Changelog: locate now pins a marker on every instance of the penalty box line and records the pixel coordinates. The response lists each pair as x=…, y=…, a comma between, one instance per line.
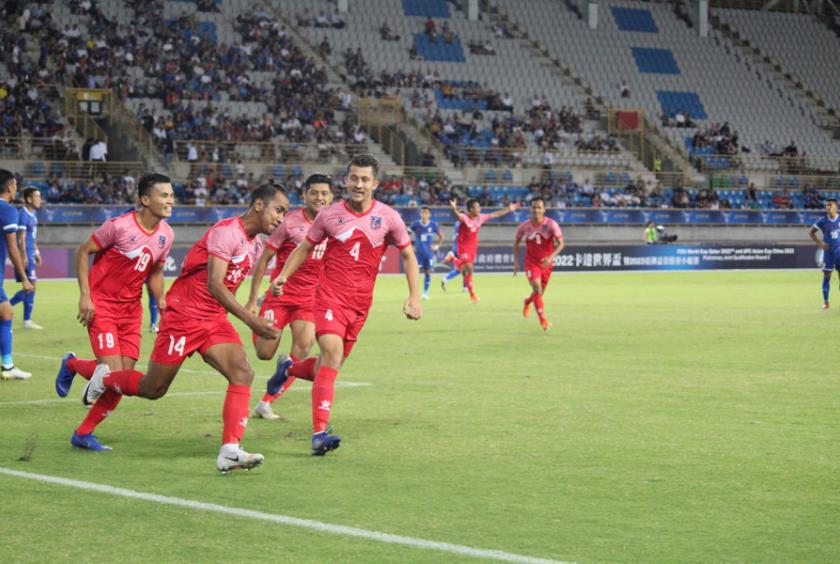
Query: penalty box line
x=282, y=519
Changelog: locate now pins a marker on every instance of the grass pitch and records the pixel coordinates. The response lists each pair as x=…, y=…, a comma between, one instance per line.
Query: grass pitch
x=667, y=417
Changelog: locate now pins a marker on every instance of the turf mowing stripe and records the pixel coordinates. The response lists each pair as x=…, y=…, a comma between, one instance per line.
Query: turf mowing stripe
x=182, y=394
x=284, y=519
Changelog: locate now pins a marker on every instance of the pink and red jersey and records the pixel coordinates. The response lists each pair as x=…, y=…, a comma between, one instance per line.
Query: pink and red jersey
x=469, y=228
x=539, y=239
x=127, y=254
x=300, y=288
x=228, y=241
x=357, y=243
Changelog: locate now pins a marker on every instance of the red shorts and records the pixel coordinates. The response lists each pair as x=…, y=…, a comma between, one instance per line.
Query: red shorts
x=536, y=271
x=180, y=336
x=467, y=255
x=115, y=335
x=340, y=320
x=284, y=313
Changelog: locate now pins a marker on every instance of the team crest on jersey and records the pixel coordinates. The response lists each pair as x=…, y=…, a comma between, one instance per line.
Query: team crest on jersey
x=340, y=220
x=132, y=239
x=161, y=241
x=375, y=222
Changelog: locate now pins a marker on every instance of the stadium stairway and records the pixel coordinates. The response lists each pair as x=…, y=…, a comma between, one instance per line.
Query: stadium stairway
x=673, y=159
x=824, y=114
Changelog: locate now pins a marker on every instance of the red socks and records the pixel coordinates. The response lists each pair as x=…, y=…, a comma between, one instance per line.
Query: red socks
x=529, y=299
x=83, y=368
x=323, y=391
x=235, y=413
x=125, y=382
x=103, y=407
x=468, y=282
x=305, y=369
x=538, y=302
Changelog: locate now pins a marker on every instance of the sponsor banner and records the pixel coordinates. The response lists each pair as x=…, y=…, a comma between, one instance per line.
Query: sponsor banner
x=660, y=257
x=209, y=215
x=60, y=262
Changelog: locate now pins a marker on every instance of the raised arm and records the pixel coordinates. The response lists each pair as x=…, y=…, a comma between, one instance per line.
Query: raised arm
x=504, y=211
x=453, y=205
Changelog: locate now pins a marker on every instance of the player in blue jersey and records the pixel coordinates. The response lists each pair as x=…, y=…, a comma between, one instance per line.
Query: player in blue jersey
x=28, y=246
x=9, y=247
x=427, y=240
x=450, y=256
x=829, y=224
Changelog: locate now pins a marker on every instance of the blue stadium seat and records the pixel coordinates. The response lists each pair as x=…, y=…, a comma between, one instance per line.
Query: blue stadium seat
x=659, y=61
x=38, y=168
x=490, y=175
x=689, y=102
x=278, y=171
x=439, y=50
x=634, y=19
x=507, y=176
x=297, y=170
x=426, y=8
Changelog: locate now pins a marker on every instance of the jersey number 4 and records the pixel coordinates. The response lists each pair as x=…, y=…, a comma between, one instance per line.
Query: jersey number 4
x=354, y=251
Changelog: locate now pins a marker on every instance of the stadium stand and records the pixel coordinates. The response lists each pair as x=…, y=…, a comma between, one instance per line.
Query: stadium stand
x=714, y=84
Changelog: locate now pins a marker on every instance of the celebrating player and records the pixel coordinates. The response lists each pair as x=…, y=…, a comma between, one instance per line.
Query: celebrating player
x=9, y=247
x=829, y=224
x=27, y=242
x=195, y=319
x=470, y=225
x=294, y=307
x=427, y=240
x=543, y=242
x=128, y=249
x=359, y=230
x=451, y=256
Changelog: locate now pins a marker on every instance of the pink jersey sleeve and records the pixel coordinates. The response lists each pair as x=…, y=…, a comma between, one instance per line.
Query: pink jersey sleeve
x=276, y=239
x=463, y=218
x=221, y=241
x=484, y=218
x=106, y=234
x=398, y=235
x=555, y=230
x=316, y=232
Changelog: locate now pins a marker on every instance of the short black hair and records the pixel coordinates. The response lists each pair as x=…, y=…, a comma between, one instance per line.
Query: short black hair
x=144, y=186
x=538, y=199
x=318, y=178
x=471, y=202
x=29, y=191
x=6, y=177
x=266, y=192
x=828, y=201
x=426, y=208
x=363, y=160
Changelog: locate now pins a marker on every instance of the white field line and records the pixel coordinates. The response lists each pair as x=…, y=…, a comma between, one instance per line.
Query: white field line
x=338, y=384
x=177, y=394
x=282, y=519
